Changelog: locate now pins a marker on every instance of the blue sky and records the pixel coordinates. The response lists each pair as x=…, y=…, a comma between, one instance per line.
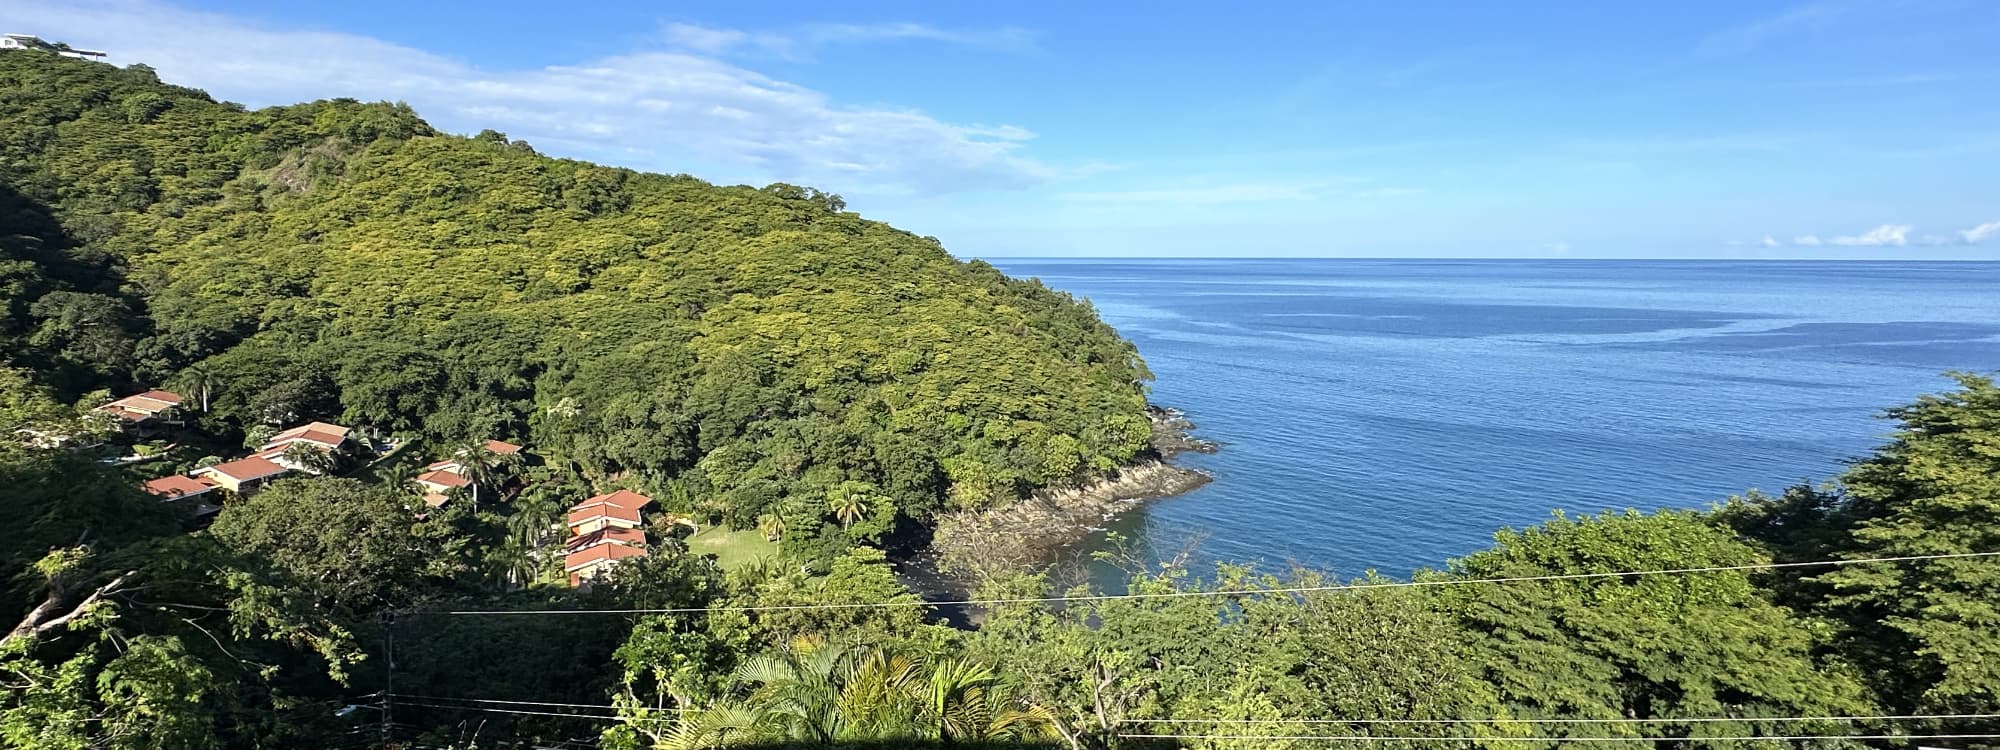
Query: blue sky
x=1441, y=129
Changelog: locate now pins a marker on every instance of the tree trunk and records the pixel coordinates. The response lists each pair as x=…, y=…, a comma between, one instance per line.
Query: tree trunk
x=44, y=617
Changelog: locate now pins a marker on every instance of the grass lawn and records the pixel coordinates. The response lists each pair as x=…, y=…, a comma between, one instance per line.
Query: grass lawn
x=731, y=548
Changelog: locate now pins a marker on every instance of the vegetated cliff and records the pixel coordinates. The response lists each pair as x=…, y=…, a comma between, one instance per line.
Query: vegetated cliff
x=980, y=544
x=762, y=349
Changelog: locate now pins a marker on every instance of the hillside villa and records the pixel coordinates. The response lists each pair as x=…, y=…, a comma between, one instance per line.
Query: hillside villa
x=146, y=413
x=176, y=486
x=439, y=479
x=242, y=476
x=327, y=438
x=30, y=41
x=590, y=564
x=604, y=530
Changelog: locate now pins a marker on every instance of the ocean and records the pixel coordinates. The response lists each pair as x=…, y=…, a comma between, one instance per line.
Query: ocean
x=1393, y=414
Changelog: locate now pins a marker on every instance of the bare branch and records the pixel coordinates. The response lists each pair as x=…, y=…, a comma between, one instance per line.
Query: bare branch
x=44, y=618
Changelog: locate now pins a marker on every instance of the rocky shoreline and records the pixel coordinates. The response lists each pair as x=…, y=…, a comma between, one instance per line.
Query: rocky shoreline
x=1030, y=534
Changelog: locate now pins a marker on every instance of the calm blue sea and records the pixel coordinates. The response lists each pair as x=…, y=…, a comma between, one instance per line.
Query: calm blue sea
x=1392, y=414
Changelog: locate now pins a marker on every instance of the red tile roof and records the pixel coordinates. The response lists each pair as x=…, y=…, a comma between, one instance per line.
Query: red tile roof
x=609, y=535
x=587, y=511
x=599, y=554
x=444, y=478
x=177, y=486
x=621, y=498
x=142, y=405
x=319, y=432
x=502, y=448
x=246, y=469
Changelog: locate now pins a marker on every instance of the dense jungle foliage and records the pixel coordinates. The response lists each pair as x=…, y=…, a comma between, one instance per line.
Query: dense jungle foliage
x=345, y=261
x=742, y=350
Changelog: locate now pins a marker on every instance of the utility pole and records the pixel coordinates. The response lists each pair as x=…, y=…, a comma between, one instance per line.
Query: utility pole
x=388, y=673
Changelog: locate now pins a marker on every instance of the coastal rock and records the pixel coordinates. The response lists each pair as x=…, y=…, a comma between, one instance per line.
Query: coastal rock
x=1173, y=433
x=1028, y=534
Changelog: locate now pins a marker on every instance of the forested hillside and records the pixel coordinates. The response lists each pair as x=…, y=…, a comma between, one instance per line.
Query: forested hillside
x=760, y=355
x=345, y=261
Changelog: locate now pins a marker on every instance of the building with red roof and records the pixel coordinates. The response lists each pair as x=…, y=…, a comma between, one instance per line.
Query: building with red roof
x=440, y=478
x=146, y=412
x=241, y=476
x=323, y=436
x=622, y=499
x=438, y=484
x=603, y=530
x=608, y=535
x=588, y=517
x=592, y=562
x=178, y=486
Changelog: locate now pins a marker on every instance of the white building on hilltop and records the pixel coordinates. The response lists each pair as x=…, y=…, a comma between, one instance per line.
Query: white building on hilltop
x=30, y=41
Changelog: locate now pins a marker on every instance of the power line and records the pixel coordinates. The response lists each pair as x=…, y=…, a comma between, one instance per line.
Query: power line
x=599, y=717
x=536, y=703
x=1691, y=720
x=1368, y=738
x=1230, y=592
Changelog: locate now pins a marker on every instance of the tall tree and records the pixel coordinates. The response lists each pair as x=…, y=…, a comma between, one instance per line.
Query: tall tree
x=1929, y=631
x=199, y=380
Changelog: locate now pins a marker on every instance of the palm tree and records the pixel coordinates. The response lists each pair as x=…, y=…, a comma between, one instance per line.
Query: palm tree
x=309, y=457
x=848, y=507
x=515, y=561
x=402, y=475
x=535, y=516
x=796, y=691
x=772, y=526
x=482, y=467
x=199, y=379
x=812, y=692
x=967, y=701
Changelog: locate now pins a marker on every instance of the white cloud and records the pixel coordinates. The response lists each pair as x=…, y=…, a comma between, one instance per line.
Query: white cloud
x=1979, y=233
x=1006, y=39
x=703, y=38
x=667, y=111
x=1807, y=240
x=1770, y=241
x=799, y=43
x=1887, y=235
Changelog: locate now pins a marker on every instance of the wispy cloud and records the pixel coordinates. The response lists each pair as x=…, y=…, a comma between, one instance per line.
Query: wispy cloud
x=656, y=110
x=1890, y=235
x=705, y=39
x=801, y=42
x=1752, y=36
x=1887, y=235
x=1980, y=233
